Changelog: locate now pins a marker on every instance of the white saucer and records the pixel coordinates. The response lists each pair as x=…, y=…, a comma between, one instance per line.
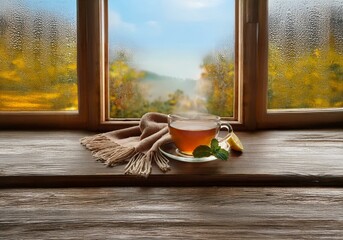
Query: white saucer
x=170, y=150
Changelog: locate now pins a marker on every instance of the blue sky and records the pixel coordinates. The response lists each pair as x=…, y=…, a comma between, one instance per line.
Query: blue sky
x=67, y=8
x=171, y=37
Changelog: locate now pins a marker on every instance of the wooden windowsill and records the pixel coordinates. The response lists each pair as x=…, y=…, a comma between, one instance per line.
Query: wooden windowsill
x=271, y=158
x=296, y=158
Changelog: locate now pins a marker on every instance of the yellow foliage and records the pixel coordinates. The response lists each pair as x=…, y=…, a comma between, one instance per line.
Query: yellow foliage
x=310, y=80
x=72, y=66
x=19, y=63
x=316, y=52
x=37, y=75
x=12, y=101
x=218, y=82
x=10, y=75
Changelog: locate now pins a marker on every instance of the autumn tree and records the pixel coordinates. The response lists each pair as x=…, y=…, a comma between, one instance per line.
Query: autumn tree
x=127, y=98
x=37, y=61
x=217, y=83
x=313, y=80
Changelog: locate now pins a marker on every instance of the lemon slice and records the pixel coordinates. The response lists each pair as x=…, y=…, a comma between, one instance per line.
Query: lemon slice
x=235, y=143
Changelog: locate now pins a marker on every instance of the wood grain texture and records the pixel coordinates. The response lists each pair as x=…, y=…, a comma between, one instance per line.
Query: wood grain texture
x=271, y=158
x=171, y=213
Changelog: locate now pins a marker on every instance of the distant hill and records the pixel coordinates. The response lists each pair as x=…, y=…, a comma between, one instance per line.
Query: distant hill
x=159, y=86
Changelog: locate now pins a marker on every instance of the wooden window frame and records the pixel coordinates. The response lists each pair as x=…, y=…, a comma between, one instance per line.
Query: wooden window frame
x=106, y=123
x=251, y=64
x=59, y=119
x=288, y=118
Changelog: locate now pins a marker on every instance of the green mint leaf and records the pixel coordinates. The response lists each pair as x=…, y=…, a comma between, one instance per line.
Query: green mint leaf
x=215, y=145
x=215, y=149
x=222, y=154
x=202, y=151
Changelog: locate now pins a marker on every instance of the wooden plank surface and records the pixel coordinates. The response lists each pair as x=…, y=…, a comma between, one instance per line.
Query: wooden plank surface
x=171, y=213
x=281, y=158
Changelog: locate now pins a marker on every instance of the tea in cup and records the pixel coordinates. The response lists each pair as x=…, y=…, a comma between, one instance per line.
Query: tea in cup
x=189, y=131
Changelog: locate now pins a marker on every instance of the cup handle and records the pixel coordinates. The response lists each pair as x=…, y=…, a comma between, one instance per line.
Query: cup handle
x=228, y=127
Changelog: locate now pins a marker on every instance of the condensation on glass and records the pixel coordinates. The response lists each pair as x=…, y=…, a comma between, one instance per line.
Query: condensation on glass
x=171, y=56
x=38, y=55
x=305, y=68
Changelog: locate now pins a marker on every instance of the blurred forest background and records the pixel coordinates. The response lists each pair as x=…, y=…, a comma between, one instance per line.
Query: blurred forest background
x=38, y=69
x=38, y=60
x=305, y=54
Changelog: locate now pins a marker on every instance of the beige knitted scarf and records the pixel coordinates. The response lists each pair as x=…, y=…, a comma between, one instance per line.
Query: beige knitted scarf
x=137, y=146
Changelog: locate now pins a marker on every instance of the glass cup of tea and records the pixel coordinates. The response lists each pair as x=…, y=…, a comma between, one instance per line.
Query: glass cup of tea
x=189, y=131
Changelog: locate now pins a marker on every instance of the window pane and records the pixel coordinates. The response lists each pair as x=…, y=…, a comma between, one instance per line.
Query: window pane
x=171, y=55
x=305, y=54
x=38, y=55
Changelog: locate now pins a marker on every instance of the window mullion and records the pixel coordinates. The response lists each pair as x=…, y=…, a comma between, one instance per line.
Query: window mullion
x=93, y=61
x=249, y=57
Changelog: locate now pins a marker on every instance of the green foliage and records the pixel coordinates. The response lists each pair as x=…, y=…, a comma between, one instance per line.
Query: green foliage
x=40, y=73
x=37, y=73
x=218, y=81
x=127, y=99
x=312, y=80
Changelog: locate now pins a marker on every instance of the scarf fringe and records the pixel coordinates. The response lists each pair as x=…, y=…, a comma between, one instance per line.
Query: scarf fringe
x=112, y=154
x=107, y=151
x=139, y=165
x=161, y=161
